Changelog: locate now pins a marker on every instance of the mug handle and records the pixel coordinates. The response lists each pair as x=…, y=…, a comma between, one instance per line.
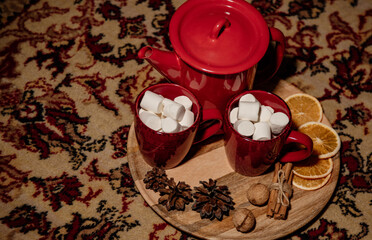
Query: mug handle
x=277, y=36
x=297, y=137
x=211, y=123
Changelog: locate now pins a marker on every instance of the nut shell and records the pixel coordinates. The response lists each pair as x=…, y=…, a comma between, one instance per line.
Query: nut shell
x=244, y=220
x=258, y=194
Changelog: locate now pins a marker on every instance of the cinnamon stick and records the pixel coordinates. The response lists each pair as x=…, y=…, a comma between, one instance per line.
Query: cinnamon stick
x=277, y=205
x=286, y=170
x=273, y=192
x=282, y=214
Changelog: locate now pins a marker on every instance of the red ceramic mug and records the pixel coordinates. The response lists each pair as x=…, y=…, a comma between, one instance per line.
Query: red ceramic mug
x=167, y=150
x=251, y=157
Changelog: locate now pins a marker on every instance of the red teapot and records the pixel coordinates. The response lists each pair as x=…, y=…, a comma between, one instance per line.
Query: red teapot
x=217, y=46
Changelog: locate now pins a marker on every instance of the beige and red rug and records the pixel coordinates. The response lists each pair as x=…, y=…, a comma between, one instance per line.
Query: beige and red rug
x=69, y=76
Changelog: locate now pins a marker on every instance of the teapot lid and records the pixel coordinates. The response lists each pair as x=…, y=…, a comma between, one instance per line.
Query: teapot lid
x=219, y=36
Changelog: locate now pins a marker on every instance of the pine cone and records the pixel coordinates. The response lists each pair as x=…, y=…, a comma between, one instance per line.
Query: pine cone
x=212, y=201
x=176, y=196
x=156, y=179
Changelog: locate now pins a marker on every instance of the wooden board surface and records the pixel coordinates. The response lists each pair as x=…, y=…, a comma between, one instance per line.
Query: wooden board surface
x=208, y=160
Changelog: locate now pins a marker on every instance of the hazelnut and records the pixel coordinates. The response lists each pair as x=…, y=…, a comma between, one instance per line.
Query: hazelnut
x=258, y=194
x=243, y=220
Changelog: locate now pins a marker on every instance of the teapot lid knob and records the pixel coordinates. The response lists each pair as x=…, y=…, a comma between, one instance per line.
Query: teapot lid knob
x=219, y=27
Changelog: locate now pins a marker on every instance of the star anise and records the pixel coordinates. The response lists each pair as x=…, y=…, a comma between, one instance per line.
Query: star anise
x=156, y=179
x=212, y=201
x=176, y=196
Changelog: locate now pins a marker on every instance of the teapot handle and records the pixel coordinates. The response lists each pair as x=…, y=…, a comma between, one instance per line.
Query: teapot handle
x=278, y=36
x=211, y=123
x=268, y=66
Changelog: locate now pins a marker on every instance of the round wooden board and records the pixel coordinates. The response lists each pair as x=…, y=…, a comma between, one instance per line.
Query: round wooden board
x=208, y=160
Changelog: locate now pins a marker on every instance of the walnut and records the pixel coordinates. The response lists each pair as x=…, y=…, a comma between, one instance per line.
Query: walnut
x=258, y=194
x=244, y=220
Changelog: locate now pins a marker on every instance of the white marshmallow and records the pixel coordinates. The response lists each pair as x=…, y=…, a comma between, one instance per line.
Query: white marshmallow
x=262, y=131
x=248, y=98
x=187, y=120
x=265, y=114
x=270, y=109
x=174, y=110
x=152, y=102
x=170, y=125
x=185, y=101
x=151, y=120
x=166, y=101
x=234, y=115
x=249, y=111
x=244, y=127
x=278, y=121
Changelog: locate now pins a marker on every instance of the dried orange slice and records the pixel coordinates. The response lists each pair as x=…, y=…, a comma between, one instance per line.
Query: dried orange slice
x=304, y=108
x=310, y=184
x=313, y=167
x=326, y=142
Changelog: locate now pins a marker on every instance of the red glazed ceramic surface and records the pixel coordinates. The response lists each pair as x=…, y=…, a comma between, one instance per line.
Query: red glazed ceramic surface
x=219, y=36
x=167, y=150
x=217, y=47
x=249, y=157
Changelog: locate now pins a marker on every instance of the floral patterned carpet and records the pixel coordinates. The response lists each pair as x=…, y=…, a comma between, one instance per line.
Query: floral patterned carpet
x=69, y=75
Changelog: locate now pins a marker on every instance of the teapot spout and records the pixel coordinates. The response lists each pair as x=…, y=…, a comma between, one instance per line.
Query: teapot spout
x=167, y=63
